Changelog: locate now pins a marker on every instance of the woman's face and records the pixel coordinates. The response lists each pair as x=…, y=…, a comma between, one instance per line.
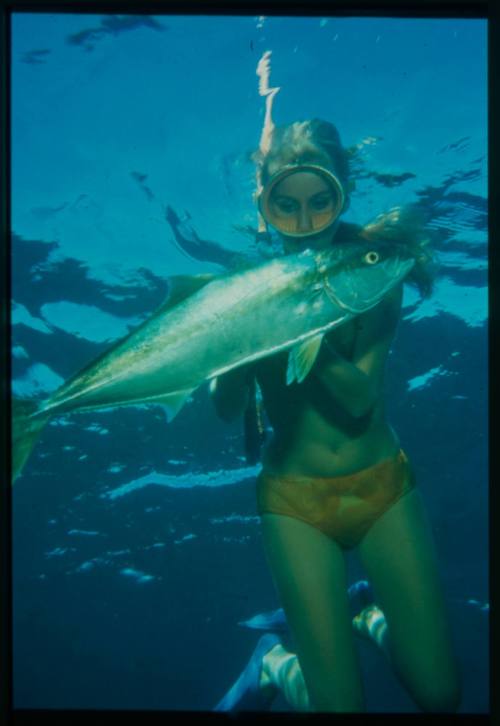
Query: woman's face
x=302, y=203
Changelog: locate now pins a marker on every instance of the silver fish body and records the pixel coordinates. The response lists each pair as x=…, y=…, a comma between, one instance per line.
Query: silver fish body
x=233, y=320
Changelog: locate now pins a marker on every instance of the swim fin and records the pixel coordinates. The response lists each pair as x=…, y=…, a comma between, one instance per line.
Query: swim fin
x=246, y=693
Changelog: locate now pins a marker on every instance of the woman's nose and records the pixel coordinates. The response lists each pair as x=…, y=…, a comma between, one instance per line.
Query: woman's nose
x=304, y=220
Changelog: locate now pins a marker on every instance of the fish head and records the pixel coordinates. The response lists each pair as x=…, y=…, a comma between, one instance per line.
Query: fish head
x=357, y=275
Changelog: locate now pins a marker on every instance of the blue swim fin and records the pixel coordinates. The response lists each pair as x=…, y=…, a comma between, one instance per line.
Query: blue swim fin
x=272, y=620
x=360, y=596
x=246, y=694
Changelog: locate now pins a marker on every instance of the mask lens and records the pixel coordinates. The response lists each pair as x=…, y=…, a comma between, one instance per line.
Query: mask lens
x=302, y=201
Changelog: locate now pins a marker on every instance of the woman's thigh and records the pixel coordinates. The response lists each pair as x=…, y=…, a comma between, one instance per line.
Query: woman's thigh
x=309, y=571
x=399, y=556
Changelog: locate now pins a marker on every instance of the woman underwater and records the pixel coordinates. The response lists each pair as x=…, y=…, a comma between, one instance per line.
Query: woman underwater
x=334, y=477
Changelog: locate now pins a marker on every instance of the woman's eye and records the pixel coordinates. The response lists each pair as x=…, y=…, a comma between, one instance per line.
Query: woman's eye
x=371, y=258
x=320, y=203
x=287, y=206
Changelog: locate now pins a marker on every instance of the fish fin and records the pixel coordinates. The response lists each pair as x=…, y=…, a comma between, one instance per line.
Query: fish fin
x=25, y=432
x=301, y=359
x=180, y=287
x=173, y=403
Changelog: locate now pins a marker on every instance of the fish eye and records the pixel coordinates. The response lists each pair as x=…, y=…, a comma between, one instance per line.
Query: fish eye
x=371, y=258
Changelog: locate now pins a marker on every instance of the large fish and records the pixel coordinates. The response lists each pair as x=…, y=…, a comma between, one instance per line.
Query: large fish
x=231, y=320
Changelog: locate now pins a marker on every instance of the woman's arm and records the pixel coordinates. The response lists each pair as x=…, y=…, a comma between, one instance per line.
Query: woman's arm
x=230, y=392
x=345, y=383
x=357, y=386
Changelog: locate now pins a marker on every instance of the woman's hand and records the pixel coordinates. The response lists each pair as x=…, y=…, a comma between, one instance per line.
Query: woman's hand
x=344, y=381
x=357, y=386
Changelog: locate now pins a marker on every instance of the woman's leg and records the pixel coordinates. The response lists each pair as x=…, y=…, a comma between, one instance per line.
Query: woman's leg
x=399, y=557
x=310, y=575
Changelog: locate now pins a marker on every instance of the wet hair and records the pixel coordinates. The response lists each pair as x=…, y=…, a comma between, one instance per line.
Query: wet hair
x=306, y=142
x=405, y=227
x=424, y=272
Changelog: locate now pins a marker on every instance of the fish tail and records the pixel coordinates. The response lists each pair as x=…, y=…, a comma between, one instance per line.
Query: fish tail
x=26, y=428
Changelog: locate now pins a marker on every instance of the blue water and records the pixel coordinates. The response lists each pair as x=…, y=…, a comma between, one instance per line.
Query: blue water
x=136, y=546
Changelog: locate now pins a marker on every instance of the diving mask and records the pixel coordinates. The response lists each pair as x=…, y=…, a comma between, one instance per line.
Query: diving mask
x=301, y=200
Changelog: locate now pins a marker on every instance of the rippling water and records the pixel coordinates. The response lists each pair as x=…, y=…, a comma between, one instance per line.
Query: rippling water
x=136, y=544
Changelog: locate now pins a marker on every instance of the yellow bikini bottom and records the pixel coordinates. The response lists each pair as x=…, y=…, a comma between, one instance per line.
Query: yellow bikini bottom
x=343, y=507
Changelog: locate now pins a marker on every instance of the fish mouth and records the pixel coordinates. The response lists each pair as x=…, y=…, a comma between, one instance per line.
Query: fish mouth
x=357, y=292
x=398, y=267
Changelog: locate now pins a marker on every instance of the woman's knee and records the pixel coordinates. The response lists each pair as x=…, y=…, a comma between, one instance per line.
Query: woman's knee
x=445, y=701
x=439, y=695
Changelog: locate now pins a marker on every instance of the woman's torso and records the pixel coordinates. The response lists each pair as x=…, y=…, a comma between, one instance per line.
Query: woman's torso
x=312, y=436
